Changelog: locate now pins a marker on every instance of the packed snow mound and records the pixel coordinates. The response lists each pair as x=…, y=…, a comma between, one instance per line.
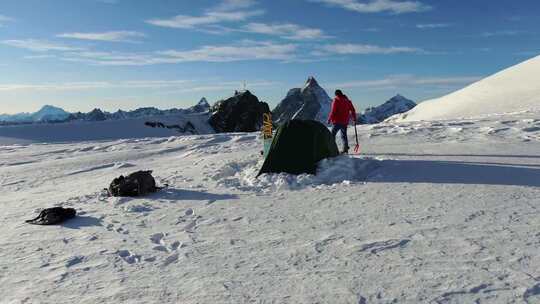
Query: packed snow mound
x=310, y=102
x=512, y=90
x=343, y=170
x=396, y=105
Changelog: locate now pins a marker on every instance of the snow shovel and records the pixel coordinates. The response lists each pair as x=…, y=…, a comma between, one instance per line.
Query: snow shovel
x=357, y=147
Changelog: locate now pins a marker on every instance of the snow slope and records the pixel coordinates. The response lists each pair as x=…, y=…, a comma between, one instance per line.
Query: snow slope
x=512, y=90
x=100, y=130
x=431, y=212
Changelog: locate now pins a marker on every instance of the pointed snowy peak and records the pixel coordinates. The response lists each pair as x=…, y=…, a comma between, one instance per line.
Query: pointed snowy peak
x=203, y=102
x=200, y=107
x=311, y=83
x=310, y=102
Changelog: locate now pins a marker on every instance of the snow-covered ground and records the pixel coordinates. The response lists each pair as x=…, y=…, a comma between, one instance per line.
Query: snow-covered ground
x=430, y=212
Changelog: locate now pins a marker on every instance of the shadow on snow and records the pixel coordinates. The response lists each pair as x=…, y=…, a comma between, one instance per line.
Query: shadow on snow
x=456, y=172
x=81, y=222
x=189, y=195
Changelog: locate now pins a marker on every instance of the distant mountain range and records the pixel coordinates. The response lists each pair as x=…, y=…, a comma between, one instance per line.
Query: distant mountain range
x=52, y=114
x=309, y=102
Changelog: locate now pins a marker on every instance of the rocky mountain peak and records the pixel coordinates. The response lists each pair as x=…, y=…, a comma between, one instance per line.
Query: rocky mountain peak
x=311, y=83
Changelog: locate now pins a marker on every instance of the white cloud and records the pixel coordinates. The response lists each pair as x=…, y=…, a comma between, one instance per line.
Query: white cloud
x=39, y=45
x=502, y=33
x=286, y=30
x=92, y=85
x=5, y=19
x=226, y=11
x=222, y=86
x=209, y=18
x=163, y=87
x=433, y=25
x=397, y=81
x=247, y=50
x=363, y=49
x=243, y=52
x=377, y=6
x=229, y=5
x=112, y=36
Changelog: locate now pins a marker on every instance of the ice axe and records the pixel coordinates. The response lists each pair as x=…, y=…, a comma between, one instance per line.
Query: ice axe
x=357, y=147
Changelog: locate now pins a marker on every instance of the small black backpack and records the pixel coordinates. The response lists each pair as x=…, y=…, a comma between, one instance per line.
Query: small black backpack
x=136, y=184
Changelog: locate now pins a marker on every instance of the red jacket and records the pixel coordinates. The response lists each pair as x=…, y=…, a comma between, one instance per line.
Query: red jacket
x=342, y=109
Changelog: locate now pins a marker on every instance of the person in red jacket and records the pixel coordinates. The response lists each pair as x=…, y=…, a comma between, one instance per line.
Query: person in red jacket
x=340, y=115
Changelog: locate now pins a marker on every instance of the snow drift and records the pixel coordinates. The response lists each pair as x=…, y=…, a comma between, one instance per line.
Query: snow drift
x=512, y=90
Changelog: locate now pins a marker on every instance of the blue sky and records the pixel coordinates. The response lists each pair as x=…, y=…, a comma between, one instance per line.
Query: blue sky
x=82, y=54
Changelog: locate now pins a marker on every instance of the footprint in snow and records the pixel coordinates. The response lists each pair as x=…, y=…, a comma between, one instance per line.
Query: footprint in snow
x=129, y=257
x=159, y=240
x=377, y=247
x=74, y=260
x=171, y=259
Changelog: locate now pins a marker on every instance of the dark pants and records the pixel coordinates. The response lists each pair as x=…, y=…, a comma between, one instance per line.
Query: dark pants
x=343, y=129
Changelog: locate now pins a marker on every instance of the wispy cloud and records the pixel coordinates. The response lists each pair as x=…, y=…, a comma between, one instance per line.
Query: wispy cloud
x=39, y=45
x=433, y=25
x=364, y=49
x=224, y=12
x=229, y=5
x=286, y=30
x=223, y=86
x=378, y=6
x=209, y=18
x=92, y=85
x=5, y=19
x=244, y=51
x=400, y=81
x=502, y=33
x=247, y=50
x=164, y=86
x=112, y=36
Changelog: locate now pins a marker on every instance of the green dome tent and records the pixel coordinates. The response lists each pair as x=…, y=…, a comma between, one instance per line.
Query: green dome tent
x=298, y=146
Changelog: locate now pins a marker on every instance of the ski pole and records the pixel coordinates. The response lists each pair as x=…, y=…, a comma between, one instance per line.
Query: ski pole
x=357, y=147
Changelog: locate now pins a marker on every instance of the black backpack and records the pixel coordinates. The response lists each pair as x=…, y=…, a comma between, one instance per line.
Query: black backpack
x=53, y=216
x=136, y=184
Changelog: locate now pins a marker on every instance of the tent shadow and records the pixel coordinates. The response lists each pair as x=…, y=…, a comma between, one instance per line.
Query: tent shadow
x=455, y=172
x=81, y=222
x=189, y=195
